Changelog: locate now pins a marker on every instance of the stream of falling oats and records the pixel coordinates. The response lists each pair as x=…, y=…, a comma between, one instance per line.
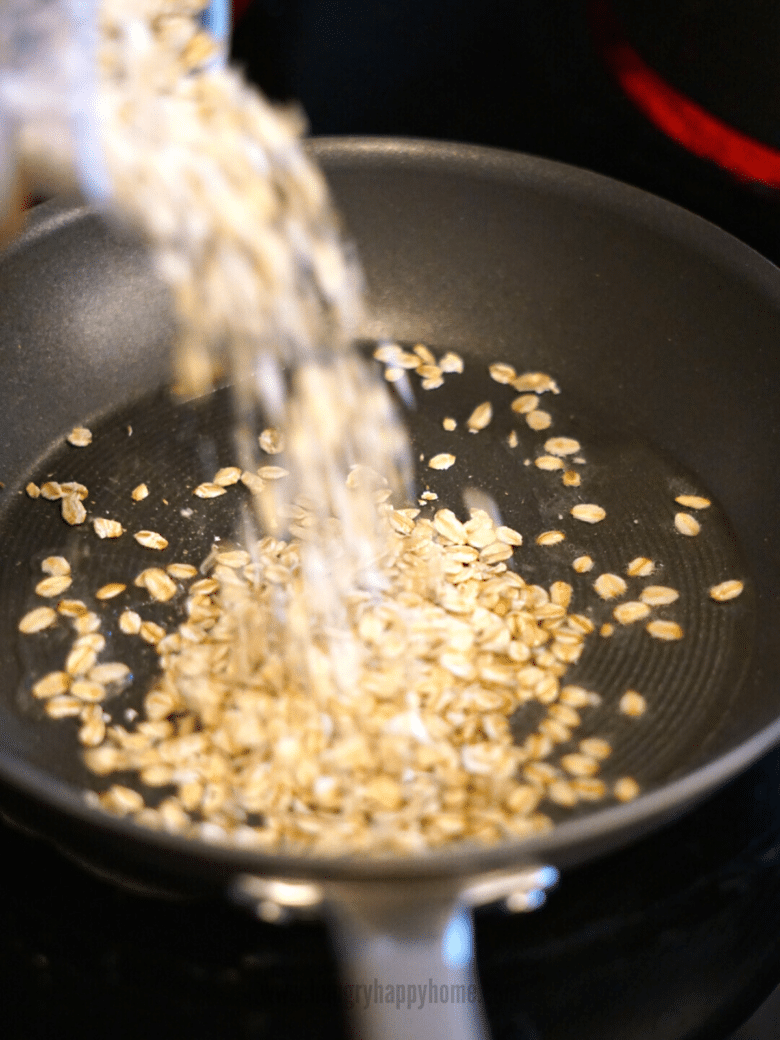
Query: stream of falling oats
x=242, y=230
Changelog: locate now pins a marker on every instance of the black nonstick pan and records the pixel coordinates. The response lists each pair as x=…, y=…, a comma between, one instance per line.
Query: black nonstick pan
x=662, y=333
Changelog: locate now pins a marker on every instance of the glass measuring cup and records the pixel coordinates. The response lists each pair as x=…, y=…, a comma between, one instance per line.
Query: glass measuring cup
x=50, y=138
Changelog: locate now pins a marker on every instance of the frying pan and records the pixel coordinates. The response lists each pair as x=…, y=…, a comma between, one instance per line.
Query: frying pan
x=661, y=331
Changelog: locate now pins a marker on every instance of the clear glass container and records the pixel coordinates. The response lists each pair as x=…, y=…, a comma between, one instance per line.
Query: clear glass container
x=49, y=131
x=48, y=83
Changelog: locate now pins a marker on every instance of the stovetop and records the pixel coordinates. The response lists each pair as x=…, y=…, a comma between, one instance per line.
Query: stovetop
x=676, y=937
x=525, y=76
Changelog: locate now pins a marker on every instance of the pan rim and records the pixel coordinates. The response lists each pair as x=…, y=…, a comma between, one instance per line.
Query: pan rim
x=570, y=842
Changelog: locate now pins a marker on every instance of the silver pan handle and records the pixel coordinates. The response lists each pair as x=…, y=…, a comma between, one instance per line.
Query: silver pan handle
x=405, y=947
x=407, y=965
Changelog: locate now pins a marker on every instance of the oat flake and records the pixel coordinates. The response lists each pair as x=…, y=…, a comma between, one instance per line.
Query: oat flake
x=727, y=590
x=110, y=590
x=588, y=513
x=209, y=490
x=37, y=620
x=686, y=524
x=441, y=461
x=105, y=528
x=480, y=417
x=79, y=437
x=151, y=540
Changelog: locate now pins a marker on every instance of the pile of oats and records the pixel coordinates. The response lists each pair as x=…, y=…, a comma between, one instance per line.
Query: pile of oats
x=434, y=709
x=419, y=753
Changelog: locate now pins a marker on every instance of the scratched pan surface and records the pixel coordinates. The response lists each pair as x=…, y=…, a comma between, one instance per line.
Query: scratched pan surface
x=661, y=332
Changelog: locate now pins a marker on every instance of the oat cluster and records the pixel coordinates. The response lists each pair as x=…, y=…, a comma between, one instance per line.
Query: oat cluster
x=419, y=754
x=250, y=733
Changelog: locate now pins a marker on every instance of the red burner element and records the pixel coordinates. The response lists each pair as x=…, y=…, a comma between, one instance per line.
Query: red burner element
x=239, y=7
x=677, y=115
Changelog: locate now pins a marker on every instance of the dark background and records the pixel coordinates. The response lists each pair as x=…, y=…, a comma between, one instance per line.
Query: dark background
x=528, y=75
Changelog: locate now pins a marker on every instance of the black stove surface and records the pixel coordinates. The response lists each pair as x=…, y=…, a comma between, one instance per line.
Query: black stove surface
x=520, y=74
x=675, y=938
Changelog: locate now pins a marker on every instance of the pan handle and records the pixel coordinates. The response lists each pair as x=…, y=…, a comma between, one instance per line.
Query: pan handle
x=407, y=964
x=405, y=946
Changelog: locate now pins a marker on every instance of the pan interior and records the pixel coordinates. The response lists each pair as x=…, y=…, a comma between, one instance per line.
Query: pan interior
x=172, y=446
x=662, y=332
